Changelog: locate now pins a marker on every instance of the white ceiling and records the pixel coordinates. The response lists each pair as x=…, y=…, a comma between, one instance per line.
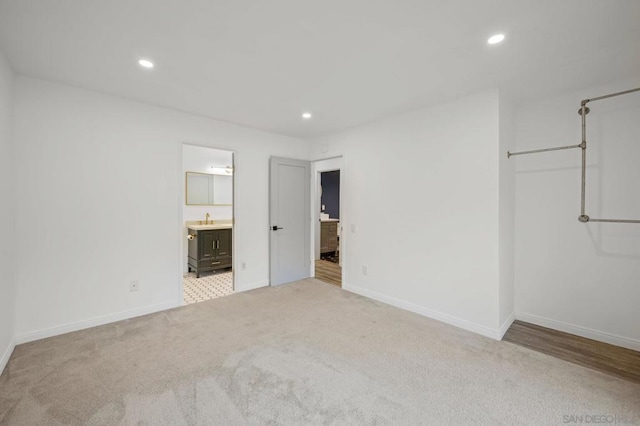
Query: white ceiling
x=262, y=63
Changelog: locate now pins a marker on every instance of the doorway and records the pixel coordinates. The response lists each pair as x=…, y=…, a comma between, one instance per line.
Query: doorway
x=207, y=223
x=328, y=244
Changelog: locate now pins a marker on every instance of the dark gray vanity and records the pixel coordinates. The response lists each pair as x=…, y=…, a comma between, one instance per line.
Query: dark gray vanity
x=209, y=248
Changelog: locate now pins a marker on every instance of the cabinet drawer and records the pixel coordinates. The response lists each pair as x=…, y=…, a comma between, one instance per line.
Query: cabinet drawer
x=224, y=262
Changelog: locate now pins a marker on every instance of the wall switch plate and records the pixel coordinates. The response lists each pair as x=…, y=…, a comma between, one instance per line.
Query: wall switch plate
x=243, y=266
x=353, y=228
x=133, y=285
x=364, y=270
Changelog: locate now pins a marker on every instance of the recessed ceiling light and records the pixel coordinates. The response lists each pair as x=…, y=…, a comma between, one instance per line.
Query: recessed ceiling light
x=306, y=115
x=494, y=39
x=145, y=63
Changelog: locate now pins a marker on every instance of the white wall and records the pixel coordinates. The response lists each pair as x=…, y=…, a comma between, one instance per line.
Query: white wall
x=427, y=232
x=581, y=278
x=7, y=215
x=99, y=202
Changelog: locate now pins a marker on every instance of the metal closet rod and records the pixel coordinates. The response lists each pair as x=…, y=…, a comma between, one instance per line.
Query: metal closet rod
x=583, y=111
x=536, y=151
x=584, y=102
x=613, y=220
x=610, y=95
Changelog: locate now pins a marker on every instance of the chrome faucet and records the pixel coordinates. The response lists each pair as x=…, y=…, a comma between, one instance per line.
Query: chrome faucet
x=206, y=220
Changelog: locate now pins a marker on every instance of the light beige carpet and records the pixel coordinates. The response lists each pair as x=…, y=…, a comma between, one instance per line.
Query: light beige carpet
x=303, y=353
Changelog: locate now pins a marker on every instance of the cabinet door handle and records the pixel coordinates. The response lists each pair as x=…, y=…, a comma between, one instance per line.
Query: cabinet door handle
x=215, y=263
x=218, y=244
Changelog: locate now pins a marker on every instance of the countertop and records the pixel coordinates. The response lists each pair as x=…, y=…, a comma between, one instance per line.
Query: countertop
x=203, y=227
x=329, y=220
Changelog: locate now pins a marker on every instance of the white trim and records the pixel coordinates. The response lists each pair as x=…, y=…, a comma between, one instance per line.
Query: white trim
x=246, y=287
x=7, y=354
x=93, y=322
x=421, y=310
x=506, y=324
x=589, y=333
x=181, y=200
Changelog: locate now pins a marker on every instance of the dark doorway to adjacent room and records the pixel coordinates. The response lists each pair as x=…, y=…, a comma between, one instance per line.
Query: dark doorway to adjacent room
x=328, y=267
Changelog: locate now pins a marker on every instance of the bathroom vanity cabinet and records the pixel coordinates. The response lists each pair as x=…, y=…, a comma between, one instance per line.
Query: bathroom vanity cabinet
x=209, y=249
x=328, y=236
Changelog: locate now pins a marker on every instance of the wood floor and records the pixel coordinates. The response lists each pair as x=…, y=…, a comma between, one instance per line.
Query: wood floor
x=609, y=359
x=329, y=272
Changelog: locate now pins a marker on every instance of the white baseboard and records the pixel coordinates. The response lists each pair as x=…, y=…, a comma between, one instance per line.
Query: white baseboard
x=93, y=322
x=251, y=286
x=421, y=310
x=589, y=333
x=506, y=324
x=7, y=354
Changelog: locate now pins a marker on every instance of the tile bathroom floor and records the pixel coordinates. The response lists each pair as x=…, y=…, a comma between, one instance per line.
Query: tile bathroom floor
x=210, y=285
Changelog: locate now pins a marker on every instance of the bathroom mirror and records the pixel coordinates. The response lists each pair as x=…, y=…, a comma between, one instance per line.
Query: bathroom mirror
x=203, y=189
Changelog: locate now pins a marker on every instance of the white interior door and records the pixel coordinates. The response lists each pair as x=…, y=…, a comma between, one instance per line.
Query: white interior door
x=290, y=220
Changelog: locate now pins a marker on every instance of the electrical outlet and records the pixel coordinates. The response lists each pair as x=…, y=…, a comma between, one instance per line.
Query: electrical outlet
x=243, y=266
x=364, y=270
x=133, y=285
x=353, y=228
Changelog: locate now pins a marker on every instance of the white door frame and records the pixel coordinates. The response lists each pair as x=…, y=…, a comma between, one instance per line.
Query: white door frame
x=320, y=166
x=181, y=203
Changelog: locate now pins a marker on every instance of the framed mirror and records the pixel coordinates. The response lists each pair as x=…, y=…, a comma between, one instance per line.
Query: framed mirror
x=203, y=189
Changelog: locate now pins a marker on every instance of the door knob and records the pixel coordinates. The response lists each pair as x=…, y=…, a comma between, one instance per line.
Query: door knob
x=276, y=227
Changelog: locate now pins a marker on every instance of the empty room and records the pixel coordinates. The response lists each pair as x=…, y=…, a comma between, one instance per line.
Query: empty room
x=339, y=212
